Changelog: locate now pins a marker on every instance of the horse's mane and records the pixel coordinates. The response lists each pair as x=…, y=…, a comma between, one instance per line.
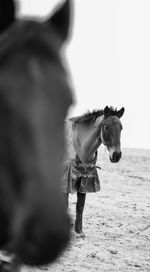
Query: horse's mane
x=92, y=116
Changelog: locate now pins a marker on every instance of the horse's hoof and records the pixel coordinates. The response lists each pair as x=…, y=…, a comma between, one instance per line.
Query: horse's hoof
x=81, y=235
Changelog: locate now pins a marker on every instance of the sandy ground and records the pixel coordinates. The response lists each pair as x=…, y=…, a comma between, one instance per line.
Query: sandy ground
x=116, y=220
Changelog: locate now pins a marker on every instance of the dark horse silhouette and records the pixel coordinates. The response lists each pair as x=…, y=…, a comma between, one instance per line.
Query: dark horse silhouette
x=34, y=98
x=85, y=134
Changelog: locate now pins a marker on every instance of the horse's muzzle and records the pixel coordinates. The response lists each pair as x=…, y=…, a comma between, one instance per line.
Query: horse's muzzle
x=116, y=156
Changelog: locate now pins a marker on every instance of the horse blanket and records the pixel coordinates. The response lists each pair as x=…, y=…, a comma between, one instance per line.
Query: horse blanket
x=75, y=171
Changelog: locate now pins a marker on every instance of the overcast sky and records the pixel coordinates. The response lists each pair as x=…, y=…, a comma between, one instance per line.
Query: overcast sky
x=109, y=58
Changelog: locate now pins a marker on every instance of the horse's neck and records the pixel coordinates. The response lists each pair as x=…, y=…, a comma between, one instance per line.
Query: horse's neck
x=87, y=140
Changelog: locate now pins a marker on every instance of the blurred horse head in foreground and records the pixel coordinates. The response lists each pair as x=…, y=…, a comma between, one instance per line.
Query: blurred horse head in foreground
x=34, y=98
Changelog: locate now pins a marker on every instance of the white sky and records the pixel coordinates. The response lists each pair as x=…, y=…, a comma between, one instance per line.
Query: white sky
x=109, y=58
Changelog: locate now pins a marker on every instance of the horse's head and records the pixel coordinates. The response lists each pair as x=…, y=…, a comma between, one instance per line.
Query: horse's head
x=111, y=132
x=34, y=99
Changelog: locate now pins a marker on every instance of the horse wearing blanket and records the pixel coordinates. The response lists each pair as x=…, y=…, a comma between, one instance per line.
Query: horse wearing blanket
x=85, y=134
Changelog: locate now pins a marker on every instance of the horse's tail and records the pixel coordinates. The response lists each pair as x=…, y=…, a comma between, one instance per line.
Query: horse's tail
x=7, y=14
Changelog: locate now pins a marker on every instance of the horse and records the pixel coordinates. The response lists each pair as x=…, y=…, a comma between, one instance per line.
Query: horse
x=84, y=135
x=35, y=95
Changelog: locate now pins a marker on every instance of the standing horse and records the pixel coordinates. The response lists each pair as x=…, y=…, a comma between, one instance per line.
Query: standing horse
x=34, y=99
x=85, y=134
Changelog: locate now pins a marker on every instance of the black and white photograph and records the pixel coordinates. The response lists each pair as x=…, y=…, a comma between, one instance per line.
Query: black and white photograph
x=74, y=135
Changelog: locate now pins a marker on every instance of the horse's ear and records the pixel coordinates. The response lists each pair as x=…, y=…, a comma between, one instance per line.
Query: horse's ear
x=120, y=112
x=106, y=112
x=61, y=20
x=7, y=14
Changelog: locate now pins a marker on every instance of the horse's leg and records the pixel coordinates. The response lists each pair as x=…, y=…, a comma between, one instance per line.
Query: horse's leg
x=79, y=213
x=66, y=201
